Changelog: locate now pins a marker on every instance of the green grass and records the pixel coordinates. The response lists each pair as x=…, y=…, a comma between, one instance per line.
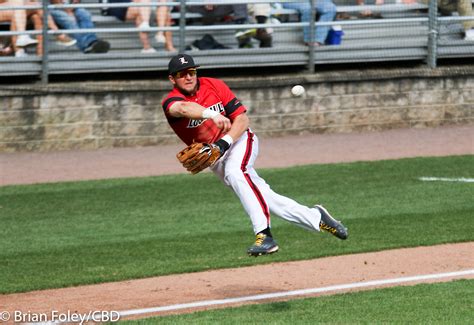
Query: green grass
x=67, y=234
x=440, y=303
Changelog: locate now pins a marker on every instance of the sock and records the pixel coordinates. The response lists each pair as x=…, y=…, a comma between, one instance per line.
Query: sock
x=266, y=231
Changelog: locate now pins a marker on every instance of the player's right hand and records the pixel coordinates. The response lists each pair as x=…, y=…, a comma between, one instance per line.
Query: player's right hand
x=222, y=122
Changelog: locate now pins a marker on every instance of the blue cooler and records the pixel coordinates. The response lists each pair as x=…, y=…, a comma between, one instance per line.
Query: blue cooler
x=334, y=36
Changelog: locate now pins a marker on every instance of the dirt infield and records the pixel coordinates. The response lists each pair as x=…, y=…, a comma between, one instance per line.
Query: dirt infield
x=347, y=273
x=27, y=168
x=136, y=295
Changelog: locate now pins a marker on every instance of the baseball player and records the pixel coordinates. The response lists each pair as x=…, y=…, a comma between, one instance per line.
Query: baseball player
x=205, y=110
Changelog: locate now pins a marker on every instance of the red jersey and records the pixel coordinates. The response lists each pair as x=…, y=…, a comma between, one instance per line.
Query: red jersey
x=212, y=93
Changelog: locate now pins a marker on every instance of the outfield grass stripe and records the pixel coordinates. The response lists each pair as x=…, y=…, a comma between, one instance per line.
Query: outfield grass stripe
x=69, y=234
x=302, y=292
x=446, y=179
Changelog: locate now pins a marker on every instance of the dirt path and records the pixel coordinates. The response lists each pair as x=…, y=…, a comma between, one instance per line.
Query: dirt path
x=27, y=168
x=135, y=295
x=131, y=297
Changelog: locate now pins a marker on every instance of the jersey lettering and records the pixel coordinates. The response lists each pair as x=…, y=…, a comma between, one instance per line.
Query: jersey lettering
x=219, y=107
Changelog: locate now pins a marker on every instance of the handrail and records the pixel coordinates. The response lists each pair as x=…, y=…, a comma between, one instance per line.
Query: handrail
x=151, y=4
x=378, y=8
x=230, y=26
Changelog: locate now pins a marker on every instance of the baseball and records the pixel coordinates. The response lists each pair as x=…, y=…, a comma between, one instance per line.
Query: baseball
x=297, y=90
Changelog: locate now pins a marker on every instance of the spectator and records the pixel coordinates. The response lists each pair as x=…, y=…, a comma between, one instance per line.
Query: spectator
x=18, y=21
x=464, y=8
x=163, y=19
x=225, y=14
x=141, y=17
x=326, y=10
x=259, y=14
x=370, y=14
x=79, y=18
x=212, y=14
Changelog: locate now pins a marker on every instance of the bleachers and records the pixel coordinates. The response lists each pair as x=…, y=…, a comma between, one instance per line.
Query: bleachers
x=388, y=39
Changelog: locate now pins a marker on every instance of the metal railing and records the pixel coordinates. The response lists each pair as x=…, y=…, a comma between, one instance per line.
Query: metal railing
x=431, y=20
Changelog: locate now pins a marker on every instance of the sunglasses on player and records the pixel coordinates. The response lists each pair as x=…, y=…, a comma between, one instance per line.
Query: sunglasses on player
x=184, y=73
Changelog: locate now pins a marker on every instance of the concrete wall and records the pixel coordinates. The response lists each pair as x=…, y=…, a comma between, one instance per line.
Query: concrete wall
x=112, y=114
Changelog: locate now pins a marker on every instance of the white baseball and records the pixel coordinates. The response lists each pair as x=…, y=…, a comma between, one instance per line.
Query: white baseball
x=297, y=90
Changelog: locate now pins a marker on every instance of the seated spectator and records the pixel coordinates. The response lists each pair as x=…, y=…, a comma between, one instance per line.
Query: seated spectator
x=79, y=18
x=463, y=8
x=17, y=19
x=370, y=14
x=212, y=14
x=163, y=19
x=225, y=14
x=258, y=13
x=141, y=17
x=326, y=10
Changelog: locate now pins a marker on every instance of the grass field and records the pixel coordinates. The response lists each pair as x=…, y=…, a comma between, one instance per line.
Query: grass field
x=66, y=234
x=440, y=303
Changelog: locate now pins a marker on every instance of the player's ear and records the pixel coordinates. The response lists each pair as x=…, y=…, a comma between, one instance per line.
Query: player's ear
x=171, y=78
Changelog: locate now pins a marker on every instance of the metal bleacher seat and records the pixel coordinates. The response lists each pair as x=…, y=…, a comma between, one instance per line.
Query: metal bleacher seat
x=401, y=34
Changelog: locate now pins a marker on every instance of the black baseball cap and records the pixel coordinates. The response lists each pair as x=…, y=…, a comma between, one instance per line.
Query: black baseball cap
x=181, y=62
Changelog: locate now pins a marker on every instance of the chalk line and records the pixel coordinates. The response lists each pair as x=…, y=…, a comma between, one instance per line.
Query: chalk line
x=446, y=179
x=303, y=292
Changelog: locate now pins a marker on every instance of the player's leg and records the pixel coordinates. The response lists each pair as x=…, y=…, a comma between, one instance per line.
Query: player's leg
x=314, y=218
x=286, y=208
x=280, y=205
x=231, y=170
x=228, y=168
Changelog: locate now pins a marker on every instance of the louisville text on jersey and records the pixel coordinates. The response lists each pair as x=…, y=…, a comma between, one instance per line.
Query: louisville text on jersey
x=216, y=108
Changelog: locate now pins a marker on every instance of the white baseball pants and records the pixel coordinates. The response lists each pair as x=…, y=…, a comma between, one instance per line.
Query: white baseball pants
x=236, y=170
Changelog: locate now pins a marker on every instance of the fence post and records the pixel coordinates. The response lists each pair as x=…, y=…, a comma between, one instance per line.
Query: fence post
x=311, y=36
x=182, y=26
x=433, y=33
x=44, y=60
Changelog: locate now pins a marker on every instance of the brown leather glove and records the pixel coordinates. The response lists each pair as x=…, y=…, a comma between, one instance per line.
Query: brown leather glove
x=198, y=156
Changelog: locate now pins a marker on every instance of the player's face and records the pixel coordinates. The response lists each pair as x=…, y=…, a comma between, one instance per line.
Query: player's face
x=185, y=81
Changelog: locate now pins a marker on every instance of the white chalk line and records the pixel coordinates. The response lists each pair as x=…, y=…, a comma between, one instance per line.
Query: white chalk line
x=303, y=292
x=446, y=179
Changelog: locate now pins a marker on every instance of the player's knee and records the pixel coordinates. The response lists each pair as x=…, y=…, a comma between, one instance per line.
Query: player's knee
x=234, y=176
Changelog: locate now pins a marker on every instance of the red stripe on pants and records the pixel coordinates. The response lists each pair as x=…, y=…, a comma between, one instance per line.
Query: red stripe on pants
x=256, y=191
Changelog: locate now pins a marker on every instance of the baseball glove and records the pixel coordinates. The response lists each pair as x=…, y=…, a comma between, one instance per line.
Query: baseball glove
x=198, y=156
